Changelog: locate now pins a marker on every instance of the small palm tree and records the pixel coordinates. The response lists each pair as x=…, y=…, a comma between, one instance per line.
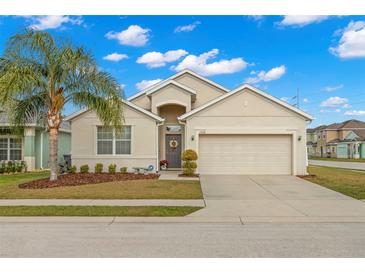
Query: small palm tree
x=39, y=75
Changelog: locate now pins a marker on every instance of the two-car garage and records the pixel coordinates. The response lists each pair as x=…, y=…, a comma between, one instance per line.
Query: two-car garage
x=245, y=154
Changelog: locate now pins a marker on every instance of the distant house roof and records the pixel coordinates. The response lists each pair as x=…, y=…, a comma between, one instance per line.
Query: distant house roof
x=5, y=122
x=349, y=124
x=360, y=133
x=312, y=130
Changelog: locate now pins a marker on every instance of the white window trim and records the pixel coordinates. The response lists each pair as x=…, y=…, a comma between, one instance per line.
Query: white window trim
x=114, y=142
x=8, y=149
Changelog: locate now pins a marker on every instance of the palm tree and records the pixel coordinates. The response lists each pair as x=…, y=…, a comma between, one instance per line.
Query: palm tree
x=39, y=75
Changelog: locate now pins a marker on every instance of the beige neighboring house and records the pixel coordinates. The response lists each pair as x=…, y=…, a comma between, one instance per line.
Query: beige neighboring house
x=240, y=131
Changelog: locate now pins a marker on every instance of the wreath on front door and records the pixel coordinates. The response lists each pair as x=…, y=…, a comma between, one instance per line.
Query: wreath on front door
x=173, y=144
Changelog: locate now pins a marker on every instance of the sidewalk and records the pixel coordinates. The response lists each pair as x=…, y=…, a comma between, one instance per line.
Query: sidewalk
x=84, y=202
x=347, y=165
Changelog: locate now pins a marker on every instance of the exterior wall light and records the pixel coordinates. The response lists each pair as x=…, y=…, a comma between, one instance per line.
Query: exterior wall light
x=192, y=137
x=299, y=138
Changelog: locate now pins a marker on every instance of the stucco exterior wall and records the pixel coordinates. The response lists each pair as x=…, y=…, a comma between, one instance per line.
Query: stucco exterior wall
x=142, y=101
x=247, y=112
x=205, y=91
x=170, y=94
x=143, y=147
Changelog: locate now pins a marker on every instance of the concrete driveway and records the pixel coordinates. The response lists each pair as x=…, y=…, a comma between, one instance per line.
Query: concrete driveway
x=272, y=197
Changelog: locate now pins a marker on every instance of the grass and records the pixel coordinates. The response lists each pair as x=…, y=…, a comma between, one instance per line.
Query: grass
x=347, y=181
x=140, y=211
x=337, y=159
x=22, y=177
x=138, y=189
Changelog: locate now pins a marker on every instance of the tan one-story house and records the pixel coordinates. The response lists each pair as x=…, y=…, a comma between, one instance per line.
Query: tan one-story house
x=240, y=131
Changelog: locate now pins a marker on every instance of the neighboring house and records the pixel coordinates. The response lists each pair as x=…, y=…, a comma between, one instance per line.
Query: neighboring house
x=312, y=138
x=338, y=140
x=242, y=131
x=31, y=144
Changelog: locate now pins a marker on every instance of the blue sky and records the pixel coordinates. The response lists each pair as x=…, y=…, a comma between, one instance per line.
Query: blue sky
x=323, y=57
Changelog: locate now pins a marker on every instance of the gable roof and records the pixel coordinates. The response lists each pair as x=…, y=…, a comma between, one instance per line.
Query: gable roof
x=241, y=88
x=312, y=130
x=173, y=77
x=169, y=82
x=130, y=104
x=349, y=124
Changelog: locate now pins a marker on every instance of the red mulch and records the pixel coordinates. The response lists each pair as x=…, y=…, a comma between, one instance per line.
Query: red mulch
x=85, y=179
x=189, y=176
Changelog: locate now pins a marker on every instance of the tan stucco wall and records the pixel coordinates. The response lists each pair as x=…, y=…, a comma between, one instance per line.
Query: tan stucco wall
x=168, y=95
x=144, y=141
x=142, y=101
x=205, y=91
x=249, y=112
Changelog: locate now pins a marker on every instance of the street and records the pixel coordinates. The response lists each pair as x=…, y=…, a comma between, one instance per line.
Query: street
x=105, y=239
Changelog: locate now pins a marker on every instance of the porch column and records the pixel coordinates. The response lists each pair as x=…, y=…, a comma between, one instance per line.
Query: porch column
x=356, y=151
x=29, y=148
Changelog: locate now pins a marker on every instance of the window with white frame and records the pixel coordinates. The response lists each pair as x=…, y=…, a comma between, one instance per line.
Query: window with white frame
x=111, y=141
x=10, y=149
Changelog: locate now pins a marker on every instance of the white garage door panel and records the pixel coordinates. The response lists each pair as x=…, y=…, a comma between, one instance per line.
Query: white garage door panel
x=245, y=154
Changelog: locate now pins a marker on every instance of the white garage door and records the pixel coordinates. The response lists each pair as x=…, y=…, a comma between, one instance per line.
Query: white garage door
x=245, y=154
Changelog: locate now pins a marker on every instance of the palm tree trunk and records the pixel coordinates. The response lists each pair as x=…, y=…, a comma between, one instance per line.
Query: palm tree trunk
x=53, y=151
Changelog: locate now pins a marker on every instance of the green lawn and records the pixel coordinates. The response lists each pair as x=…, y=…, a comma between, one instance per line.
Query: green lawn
x=140, y=211
x=138, y=189
x=346, y=181
x=337, y=159
x=22, y=177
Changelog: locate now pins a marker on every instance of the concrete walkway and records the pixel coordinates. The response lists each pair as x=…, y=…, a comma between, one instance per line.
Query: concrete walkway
x=347, y=165
x=85, y=202
x=174, y=175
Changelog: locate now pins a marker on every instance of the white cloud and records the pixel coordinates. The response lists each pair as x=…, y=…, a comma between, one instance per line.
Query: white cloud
x=334, y=102
x=44, y=22
x=285, y=99
x=156, y=59
x=333, y=88
x=330, y=110
x=122, y=86
x=301, y=20
x=352, y=42
x=272, y=74
x=146, y=83
x=305, y=100
x=199, y=64
x=115, y=57
x=355, y=112
x=134, y=35
x=187, y=28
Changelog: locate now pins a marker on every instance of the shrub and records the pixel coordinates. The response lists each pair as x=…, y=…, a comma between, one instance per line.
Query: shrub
x=24, y=166
x=18, y=167
x=2, y=167
x=112, y=168
x=189, y=157
x=84, y=169
x=123, y=169
x=11, y=167
x=73, y=169
x=99, y=168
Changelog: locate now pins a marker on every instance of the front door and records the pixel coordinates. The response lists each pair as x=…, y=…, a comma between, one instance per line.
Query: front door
x=173, y=150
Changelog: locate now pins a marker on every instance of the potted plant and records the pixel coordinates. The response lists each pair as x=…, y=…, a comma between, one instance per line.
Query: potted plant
x=164, y=164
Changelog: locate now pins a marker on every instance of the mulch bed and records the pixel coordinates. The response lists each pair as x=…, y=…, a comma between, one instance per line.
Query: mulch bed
x=189, y=176
x=85, y=179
